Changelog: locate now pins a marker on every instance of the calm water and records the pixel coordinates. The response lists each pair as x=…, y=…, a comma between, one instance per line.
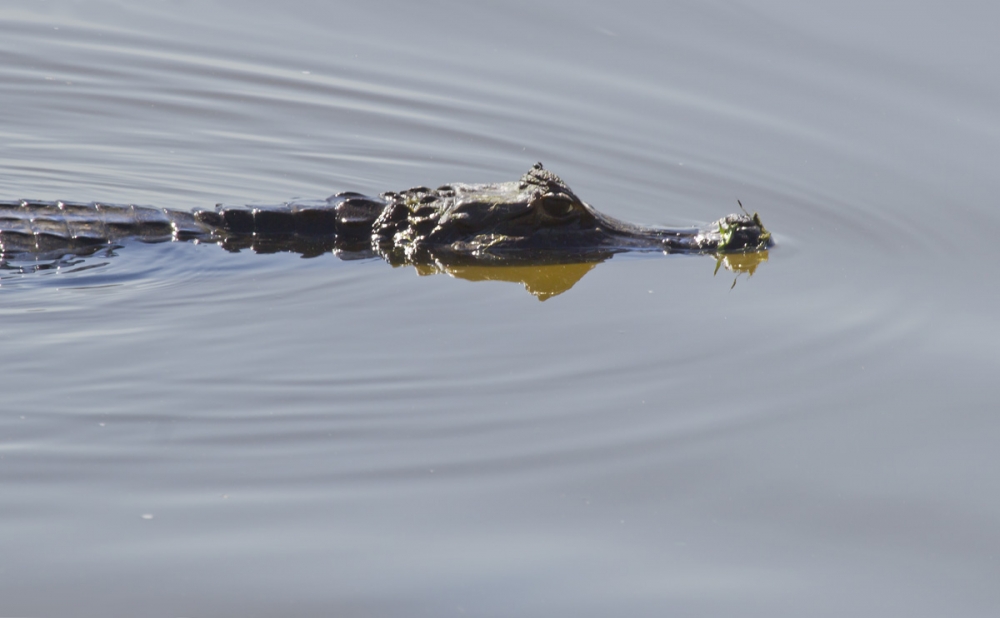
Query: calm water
x=190, y=432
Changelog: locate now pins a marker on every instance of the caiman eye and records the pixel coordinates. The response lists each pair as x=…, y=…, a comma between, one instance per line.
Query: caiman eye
x=557, y=206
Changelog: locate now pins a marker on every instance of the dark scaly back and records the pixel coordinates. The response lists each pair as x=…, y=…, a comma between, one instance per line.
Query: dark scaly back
x=309, y=227
x=342, y=222
x=38, y=227
x=342, y=215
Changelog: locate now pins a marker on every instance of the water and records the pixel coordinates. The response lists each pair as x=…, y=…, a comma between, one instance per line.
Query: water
x=186, y=431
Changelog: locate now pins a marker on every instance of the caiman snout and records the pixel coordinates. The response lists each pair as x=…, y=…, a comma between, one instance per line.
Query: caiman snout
x=743, y=233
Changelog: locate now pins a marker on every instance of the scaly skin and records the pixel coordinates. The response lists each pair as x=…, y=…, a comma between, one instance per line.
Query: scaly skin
x=535, y=220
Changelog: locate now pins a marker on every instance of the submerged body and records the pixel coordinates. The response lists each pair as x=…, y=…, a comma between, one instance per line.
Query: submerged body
x=535, y=220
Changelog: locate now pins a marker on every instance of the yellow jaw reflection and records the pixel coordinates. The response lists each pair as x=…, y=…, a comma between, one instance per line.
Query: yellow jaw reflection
x=546, y=281
x=543, y=282
x=740, y=263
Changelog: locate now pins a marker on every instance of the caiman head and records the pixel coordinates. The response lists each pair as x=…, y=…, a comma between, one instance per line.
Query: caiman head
x=536, y=219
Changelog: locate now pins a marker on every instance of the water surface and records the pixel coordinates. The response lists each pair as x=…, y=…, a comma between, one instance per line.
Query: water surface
x=186, y=431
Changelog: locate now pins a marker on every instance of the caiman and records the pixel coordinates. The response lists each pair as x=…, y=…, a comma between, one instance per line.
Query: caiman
x=532, y=221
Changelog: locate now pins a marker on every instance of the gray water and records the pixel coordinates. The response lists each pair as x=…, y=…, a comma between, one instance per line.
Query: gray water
x=190, y=432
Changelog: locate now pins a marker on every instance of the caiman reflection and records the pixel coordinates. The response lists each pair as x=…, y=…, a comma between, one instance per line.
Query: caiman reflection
x=544, y=281
x=515, y=227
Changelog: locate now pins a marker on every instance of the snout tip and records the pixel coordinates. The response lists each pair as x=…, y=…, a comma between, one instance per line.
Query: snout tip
x=743, y=234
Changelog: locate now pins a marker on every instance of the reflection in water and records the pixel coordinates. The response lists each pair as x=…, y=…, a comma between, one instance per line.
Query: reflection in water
x=11, y=268
x=740, y=263
x=547, y=280
x=543, y=281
